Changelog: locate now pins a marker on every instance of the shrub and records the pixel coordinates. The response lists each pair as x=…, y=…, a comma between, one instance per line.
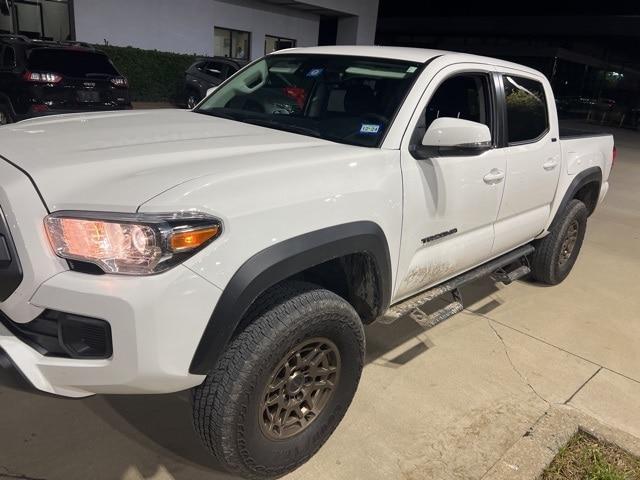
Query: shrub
x=153, y=76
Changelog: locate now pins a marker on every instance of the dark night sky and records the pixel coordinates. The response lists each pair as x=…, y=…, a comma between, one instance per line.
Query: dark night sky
x=391, y=8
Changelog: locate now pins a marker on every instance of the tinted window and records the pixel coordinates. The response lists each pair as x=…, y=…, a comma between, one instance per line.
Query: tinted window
x=71, y=63
x=340, y=98
x=463, y=96
x=527, y=117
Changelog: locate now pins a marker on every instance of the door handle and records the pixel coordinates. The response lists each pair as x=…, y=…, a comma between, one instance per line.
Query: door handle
x=550, y=164
x=494, y=176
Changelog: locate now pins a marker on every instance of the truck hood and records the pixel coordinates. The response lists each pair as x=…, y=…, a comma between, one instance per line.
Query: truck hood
x=116, y=161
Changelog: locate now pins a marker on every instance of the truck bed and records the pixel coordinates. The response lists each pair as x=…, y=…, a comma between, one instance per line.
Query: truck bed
x=570, y=133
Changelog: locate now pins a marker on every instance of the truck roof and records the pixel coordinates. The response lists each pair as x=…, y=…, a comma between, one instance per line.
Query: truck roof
x=420, y=55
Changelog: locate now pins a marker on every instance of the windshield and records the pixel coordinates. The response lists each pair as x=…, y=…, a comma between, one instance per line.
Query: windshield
x=71, y=63
x=344, y=99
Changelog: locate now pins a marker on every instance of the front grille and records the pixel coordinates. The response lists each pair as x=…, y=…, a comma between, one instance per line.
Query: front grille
x=10, y=269
x=59, y=334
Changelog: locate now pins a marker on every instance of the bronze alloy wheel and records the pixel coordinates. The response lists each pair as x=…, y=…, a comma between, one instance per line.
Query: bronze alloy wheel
x=299, y=388
x=569, y=242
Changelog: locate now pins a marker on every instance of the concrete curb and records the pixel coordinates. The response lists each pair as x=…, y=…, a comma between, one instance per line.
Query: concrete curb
x=530, y=455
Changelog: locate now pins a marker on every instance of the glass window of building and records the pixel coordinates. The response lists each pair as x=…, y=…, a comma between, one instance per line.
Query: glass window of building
x=231, y=43
x=272, y=44
x=41, y=19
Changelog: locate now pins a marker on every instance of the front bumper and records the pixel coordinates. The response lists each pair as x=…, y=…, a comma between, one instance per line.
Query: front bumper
x=156, y=324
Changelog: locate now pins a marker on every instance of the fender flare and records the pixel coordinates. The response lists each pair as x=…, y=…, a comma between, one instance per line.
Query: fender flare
x=590, y=175
x=279, y=262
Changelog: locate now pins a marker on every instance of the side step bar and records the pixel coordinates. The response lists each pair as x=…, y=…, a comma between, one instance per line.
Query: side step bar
x=494, y=268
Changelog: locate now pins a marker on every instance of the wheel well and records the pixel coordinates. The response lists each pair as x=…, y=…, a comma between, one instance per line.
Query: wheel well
x=354, y=277
x=351, y=259
x=588, y=194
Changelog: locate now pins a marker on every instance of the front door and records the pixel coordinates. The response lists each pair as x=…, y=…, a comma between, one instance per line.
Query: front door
x=450, y=201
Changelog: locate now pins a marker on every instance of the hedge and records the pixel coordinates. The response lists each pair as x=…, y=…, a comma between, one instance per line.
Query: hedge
x=153, y=76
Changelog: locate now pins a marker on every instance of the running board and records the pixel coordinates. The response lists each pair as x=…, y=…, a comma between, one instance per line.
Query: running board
x=493, y=268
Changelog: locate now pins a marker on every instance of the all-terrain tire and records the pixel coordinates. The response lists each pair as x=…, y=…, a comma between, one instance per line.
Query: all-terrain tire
x=229, y=406
x=556, y=253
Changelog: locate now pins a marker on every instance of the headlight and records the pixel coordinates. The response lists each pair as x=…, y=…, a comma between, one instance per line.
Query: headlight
x=130, y=244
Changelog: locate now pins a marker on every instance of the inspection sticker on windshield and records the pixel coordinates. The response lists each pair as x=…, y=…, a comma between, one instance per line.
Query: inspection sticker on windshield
x=315, y=72
x=370, y=128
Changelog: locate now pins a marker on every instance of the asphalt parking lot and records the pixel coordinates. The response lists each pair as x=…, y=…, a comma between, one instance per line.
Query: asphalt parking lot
x=445, y=403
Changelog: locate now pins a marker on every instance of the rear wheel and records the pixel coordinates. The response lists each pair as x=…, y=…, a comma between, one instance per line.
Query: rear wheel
x=556, y=253
x=5, y=115
x=283, y=384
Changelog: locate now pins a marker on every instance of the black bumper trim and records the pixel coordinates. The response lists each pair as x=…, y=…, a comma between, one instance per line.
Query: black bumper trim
x=12, y=376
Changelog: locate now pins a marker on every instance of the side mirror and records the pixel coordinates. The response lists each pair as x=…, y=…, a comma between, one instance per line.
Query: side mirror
x=457, y=137
x=211, y=90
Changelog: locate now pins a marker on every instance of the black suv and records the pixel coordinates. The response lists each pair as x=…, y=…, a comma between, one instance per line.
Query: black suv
x=44, y=78
x=206, y=73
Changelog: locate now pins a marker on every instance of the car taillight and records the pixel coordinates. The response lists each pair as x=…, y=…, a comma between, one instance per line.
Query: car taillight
x=42, y=77
x=614, y=156
x=120, y=82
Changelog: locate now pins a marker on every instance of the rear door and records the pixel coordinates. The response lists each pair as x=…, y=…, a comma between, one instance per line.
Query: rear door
x=450, y=201
x=533, y=158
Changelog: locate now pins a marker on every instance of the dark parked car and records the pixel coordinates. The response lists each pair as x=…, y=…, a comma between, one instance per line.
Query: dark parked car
x=207, y=73
x=44, y=78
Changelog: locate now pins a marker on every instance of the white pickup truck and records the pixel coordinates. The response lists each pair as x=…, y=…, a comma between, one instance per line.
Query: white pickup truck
x=239, y=248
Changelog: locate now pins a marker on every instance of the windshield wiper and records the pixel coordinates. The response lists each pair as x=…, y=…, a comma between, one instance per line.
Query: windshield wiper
x=283, y=126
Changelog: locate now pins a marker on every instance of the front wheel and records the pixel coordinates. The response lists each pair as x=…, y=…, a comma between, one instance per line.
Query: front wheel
x=283, y=384
x=556, y=253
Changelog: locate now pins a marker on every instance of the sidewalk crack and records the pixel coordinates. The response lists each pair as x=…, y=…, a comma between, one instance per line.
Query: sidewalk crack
x=513, y=366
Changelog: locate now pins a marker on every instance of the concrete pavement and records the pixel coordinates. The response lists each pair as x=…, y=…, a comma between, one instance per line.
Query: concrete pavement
x=447, y=403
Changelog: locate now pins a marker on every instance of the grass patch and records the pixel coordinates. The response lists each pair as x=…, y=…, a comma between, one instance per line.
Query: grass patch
x=586, y=458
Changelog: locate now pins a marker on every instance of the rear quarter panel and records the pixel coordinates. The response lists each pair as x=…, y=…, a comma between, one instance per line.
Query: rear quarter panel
x=578, y=155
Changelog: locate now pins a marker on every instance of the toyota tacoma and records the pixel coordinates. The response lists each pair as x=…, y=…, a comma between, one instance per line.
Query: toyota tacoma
x=238, y=249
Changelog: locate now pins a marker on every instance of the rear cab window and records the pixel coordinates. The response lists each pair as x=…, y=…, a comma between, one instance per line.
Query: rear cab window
x=526, y=109
x=71, y=63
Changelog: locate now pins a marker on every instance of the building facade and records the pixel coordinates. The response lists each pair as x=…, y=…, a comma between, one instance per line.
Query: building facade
x=244, y=29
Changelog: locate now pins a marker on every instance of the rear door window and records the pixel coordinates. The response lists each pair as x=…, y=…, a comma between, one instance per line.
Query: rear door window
x=526, y=104
x=71, y=63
